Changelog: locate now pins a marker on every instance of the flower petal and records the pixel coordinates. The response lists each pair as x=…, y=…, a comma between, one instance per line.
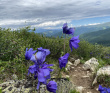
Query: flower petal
x=44, y=50
x=41, y=77
x=38, y=85
x=32, y=69
x=29, y=53
x=75, y=45
x=63, y=60
x=46, y=72
x=52, y=86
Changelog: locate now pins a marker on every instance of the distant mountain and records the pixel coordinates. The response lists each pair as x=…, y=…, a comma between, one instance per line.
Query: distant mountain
x=78, y=30
x=100, y=37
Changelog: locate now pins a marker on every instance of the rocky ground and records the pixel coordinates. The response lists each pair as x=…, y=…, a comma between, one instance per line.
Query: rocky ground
x=79, y=78
x=29, y=86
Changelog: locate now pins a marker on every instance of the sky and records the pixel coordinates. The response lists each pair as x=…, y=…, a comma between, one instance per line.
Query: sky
x=52, y=14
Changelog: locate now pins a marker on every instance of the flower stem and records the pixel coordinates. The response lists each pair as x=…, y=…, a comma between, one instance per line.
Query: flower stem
x=64, y=43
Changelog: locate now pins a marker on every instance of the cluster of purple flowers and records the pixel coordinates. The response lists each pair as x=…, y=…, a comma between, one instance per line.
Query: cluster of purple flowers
x=103, y=89
x=40, y=68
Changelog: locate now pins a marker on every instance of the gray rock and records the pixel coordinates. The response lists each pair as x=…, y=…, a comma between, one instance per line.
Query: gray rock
x=11, y=86
x=80, y=89
x=69, y=64
x=77, y=62
x=72, y=59
x=91, y=64
x=14, y=77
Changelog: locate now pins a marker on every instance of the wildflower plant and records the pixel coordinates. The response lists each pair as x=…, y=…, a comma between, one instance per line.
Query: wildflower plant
x=72, y=43
x=40, y=68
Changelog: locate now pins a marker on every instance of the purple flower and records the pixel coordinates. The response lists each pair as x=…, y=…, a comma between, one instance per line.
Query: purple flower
x=67, y=30
x=29, y=53
x=74, y=42
x=32, y=69
x=100, y=88
x=44, y=74
x=103, y=89
x=63, y=60
x=103, y=92
x=52, y=86
x=39, y=57
x=44, y=50
x=108, y=90
x=44, y=66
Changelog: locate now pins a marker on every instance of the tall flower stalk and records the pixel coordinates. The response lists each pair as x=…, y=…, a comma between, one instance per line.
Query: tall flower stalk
x=72, y=43
x=64, y=43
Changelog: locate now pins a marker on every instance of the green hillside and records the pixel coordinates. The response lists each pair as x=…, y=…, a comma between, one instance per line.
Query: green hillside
x=100, y=37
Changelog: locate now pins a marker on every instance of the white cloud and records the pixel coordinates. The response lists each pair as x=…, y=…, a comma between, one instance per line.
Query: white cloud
x=53, y=27
x=90, y=24
x=46, y=13
x=94, y=24
x=17, y=22
x=51, y=23
x=9, y=22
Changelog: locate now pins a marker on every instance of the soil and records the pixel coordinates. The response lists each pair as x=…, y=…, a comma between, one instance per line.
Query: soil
x=83, y=78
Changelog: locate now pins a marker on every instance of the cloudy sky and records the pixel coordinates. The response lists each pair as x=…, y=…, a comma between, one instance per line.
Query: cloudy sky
x=53, y=13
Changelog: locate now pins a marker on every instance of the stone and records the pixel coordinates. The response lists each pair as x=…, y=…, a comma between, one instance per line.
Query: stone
x=69, y=64
x=77, y=62
x=79, y=89
x=67, y=76
x=85, y=76
x=89, y=92
x=14, y=77
x=91, y=64
x=72, y=67
x=10, y=88
x=103, y=70
x=97, y=89
x=74, y=75
x=88, y=73
x=72, y=59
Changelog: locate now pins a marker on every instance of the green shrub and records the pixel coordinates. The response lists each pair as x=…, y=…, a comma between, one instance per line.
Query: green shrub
x=14, y=43
x=104, y=79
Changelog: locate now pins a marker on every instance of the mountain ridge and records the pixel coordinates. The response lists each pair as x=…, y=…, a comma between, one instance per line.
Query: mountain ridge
x=78, y=30
x=100, y=37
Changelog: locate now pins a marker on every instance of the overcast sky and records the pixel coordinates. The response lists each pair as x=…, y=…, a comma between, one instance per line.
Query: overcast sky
x=53, y=13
